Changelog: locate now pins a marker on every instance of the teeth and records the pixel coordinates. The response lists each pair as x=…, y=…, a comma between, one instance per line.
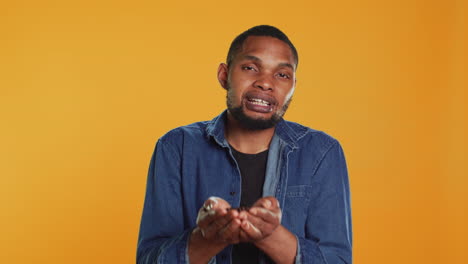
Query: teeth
x=259, y=102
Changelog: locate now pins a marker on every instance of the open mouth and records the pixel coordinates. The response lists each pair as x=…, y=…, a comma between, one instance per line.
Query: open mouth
x=258, y=101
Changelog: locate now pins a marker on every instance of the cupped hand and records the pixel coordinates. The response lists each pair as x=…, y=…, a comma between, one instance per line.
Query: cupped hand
x=261, y=220
x=217, y=223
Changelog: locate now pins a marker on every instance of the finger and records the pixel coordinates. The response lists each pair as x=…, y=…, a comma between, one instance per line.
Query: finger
x=265, y=228
x=217, y=203
x=266, y=215
x=251, y=231
x=243, y=215
x=206, y=218
x=243, y=237
x=212, y=209
x=219, y=223
x=230, y=233
x=205, y=210
x=211, y=204
x=214, y=226
x=259, y=223
x=268, y=202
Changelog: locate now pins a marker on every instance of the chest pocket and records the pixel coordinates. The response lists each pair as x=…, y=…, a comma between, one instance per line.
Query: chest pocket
x=296, y=206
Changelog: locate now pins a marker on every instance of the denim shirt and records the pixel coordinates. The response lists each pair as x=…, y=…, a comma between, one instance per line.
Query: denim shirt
x=306, y=172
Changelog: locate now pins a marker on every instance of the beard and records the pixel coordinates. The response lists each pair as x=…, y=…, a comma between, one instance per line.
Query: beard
x=254, y=123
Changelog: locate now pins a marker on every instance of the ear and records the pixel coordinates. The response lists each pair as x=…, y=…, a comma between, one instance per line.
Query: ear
x=223, y=75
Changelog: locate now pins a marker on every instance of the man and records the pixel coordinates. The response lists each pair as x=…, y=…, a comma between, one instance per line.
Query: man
x=290, y=181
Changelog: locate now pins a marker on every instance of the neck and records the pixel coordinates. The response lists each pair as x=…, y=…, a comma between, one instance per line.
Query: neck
x=245, y=140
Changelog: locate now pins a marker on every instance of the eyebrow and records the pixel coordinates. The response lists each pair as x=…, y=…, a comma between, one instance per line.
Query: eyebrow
x=288, y=65
x=251, y=57
x=283, y=64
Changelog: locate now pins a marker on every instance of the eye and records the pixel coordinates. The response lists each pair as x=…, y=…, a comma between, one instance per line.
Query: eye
x=248, y=68
x=283, y=75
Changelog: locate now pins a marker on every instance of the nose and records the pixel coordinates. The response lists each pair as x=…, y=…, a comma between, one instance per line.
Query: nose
x=264, y=82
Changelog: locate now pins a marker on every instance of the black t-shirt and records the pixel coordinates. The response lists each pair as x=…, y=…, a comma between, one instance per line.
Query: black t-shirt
x=252, y=168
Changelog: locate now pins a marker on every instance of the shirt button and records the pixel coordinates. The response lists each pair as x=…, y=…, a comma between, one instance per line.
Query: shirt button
x=232, y=193
x=223, y=257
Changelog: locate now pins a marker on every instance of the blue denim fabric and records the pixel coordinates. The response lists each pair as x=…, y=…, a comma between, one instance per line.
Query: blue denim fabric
x=306, y=172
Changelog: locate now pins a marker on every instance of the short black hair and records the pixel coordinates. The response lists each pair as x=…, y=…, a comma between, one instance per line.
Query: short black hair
x=262, y=30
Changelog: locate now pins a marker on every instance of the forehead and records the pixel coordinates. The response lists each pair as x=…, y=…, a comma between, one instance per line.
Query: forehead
x=267, y=49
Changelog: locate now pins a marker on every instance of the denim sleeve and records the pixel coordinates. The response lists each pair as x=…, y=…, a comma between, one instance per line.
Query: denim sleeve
x=328, y=229
x=163, y=238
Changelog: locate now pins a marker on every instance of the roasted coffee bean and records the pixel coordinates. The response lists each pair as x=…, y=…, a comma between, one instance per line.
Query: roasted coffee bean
x=239, y=209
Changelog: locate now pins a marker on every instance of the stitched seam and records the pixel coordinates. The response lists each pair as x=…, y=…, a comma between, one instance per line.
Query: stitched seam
x=332, y=144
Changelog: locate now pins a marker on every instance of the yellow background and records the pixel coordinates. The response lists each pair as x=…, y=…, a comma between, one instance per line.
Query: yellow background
x=87, y=87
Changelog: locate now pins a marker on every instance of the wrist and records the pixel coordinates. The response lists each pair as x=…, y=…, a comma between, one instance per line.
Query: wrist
x=280, y=246
x=262, y=243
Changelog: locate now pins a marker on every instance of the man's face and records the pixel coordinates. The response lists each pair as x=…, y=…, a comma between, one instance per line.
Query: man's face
x=260, y=82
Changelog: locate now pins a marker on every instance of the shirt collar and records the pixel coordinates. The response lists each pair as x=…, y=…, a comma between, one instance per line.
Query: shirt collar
x=215, y=129
x=288, y=132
